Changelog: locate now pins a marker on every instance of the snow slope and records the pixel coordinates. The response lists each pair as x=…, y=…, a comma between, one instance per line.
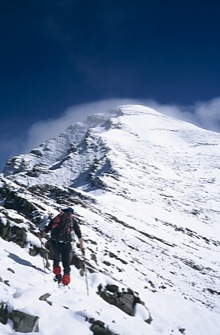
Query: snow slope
x=146, y=188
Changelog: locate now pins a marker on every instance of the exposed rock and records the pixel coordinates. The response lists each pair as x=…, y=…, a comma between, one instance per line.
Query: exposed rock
x=125, y=300
x=213, y=291
x=3, y=313
x=15, y=201
x=24, y=323
x=98, y=328
x=44, y=297
x=13, y=233
x=6, y=282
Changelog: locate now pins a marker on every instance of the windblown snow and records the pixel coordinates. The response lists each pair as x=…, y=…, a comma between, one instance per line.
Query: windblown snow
x=146, y=189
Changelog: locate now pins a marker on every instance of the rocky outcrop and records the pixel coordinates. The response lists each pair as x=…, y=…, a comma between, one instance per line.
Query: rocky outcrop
x=3, y=313
x=124, y=300
x=98, y=328
x=22, y=322
x=10, y=230
x=16, y=228
x=15, y=200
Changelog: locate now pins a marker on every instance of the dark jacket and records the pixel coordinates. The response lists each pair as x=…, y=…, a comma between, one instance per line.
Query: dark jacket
x=76, y=227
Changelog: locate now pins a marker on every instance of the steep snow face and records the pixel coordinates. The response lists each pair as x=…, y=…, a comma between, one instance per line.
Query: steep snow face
x=126, y=150
x=132, y=128
x=149, y=193
x=65, y=157
x=134, y=152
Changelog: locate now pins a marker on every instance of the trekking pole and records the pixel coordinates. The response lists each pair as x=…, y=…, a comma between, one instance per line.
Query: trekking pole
x=85, y=272
x=42, y=247
x=44, y=255
x=86, y=278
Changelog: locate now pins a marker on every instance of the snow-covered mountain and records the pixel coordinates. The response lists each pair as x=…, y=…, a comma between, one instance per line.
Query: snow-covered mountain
x=145, y=188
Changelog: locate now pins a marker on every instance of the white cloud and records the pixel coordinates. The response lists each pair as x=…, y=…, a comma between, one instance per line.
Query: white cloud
x=203, y=114
x=43, y=130
x=208, y=114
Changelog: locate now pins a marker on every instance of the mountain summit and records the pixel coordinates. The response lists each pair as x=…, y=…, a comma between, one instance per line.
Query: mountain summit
x=145, y=188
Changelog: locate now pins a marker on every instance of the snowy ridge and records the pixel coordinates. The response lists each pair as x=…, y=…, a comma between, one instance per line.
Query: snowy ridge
x=146, y=190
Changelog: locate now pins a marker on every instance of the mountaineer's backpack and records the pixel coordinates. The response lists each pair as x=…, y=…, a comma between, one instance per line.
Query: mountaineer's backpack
x=62, y=227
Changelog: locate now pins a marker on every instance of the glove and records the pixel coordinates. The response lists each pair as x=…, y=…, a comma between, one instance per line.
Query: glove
x=42, y=234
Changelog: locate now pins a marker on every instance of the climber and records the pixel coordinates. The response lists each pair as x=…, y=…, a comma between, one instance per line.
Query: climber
x=62, y=228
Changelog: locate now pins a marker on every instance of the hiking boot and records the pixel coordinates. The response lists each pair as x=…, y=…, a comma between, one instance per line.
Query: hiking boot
x=66, y=279
x=58, y=278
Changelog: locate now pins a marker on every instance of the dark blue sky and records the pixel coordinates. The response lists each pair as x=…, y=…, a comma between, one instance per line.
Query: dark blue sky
x=56, y=54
